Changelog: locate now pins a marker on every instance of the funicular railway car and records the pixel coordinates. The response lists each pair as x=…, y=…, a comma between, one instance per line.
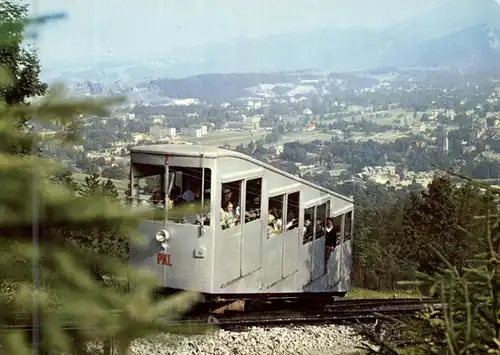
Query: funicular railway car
x=267, y=232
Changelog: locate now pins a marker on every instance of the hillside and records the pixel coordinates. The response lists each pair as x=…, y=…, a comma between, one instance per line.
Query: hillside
x=430, y=39
x=476, y=48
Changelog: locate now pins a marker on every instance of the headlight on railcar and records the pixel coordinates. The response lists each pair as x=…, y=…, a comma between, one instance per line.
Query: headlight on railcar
x=162, y=236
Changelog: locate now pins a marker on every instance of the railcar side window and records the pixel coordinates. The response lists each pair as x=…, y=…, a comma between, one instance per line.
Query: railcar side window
x=275, y=216
x=337, y=227
x=292, y=211
x=347, y=226
x=230, y=213
x=308, y=225
x=188, y=188
x=321, y=214
x=253, y=200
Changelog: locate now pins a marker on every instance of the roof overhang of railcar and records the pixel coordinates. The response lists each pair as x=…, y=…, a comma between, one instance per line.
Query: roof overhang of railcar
x=158, y=152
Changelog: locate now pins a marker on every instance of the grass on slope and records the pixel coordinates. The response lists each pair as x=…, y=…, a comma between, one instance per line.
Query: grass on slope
x=364, y=293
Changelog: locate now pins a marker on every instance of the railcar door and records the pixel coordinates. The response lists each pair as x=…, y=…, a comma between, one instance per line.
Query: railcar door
x=251, y=255
x=229, y=241
x=291, y=236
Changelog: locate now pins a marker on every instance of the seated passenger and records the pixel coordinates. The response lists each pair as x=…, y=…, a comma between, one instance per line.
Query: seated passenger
x=176, y=194
x=226, y=195
x=227, y=218
x=188, y=194
x=192, y=216
x=157, y=199
x=275, y=225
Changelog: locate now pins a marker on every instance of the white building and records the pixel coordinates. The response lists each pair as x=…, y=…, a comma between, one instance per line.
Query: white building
x=160, y=132
x=192, y=131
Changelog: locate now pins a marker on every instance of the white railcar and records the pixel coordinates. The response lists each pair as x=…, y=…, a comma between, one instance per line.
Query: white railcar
x=272, y=242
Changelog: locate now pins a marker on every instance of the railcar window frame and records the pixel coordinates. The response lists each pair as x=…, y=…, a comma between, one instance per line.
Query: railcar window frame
x=320, y=233
x=348, y=223
x=295, y=220
x=223, y=220
x=250, y=199
x=306, y=237
x=160, y=171
x=277, y=223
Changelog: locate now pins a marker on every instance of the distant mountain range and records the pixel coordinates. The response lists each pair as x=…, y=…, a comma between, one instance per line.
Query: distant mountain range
x=461, y=35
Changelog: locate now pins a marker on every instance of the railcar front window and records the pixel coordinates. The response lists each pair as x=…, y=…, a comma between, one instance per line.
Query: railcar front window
x=230, y=213
x=186, y=191
x=308, y=225
x=292, y=211
x=275, y=216
x=253, y=197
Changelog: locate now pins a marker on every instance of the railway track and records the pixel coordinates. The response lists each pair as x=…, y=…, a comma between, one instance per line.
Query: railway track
x=337, y=312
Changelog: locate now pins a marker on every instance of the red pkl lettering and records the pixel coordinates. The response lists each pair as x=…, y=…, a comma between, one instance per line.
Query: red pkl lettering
x=163, y=259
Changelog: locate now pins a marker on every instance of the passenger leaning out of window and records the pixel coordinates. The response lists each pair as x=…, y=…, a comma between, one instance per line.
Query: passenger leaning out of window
x=330, y=240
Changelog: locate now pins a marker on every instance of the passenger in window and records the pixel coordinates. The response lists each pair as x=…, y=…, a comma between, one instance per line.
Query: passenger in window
x=192, y=216
x=330, y=234
x=292, y=221
x=226, y=195
x=275, y=224
x=227, y=217
x=188, y=194
x=330, y=240
x=320, y=228
x=252, y=210
x=157, y=198
x=176, y=195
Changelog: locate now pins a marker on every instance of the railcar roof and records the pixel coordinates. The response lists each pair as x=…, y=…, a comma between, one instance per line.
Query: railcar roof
x=190, y=150
x=197, y=150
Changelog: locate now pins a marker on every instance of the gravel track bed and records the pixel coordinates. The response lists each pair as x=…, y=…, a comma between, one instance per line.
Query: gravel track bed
x=297, y=340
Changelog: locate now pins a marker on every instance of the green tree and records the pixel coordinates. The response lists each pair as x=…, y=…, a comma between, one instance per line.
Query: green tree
x=92, y=185
x=468, y=322
x=109, y=189
x=64, y=290
x=20, y=63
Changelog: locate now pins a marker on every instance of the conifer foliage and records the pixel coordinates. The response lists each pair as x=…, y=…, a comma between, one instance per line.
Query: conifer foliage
x=46, y=280
x=467, y=321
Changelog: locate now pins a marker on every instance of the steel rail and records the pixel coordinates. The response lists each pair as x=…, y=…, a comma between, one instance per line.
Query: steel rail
x=341, y=311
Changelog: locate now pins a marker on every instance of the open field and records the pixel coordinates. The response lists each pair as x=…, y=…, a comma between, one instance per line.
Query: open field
x=233, y=138
x=304, y=137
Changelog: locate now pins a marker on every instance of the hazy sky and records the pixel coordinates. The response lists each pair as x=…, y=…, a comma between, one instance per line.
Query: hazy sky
x=99, y=30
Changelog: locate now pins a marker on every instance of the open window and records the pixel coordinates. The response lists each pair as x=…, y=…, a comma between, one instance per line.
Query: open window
x=275, y=216
x=184, y=187
x=230, y=213
x=149, y=185
x=308, y=231
x=348, y=226
x=253, y=200
x=292, y=211
x=320, y=220
x=337, y=227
